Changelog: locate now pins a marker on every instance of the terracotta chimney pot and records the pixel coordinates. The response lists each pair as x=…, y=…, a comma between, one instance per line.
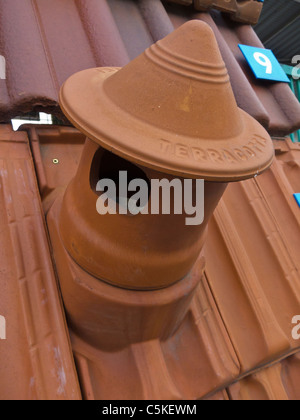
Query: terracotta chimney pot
x=170, y=113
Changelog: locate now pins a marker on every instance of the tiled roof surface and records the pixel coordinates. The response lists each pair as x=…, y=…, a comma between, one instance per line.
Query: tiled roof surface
x=258, y=264
x=42, y=51
x=244, y=305
x=36, y=361
x=248, y=295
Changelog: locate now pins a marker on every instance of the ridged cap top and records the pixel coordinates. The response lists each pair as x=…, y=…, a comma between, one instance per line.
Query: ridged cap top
x=171, y=109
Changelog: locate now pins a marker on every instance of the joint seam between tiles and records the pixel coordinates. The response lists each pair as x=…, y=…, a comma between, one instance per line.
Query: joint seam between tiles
x=51, y=66
x=278, y=228
x=222, y=319
x=253, y=371
x=254, y=298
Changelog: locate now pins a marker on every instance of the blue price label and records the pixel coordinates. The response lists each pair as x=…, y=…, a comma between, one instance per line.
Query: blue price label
x=297, y=198
x=264, y=64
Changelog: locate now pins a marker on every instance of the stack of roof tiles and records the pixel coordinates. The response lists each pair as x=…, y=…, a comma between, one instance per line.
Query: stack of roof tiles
x=246, y=11
x=250, y=290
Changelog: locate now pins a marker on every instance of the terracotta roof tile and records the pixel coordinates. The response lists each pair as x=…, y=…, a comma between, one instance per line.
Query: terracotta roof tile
x=42, y=51
x=250, y=225
x=276, y=383
x=29, y=299
x=247, y=11
x=265, y=385
x=218, y=396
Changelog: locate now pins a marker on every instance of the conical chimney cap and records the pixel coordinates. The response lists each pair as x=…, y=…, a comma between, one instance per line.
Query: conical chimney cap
x=171, y=109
